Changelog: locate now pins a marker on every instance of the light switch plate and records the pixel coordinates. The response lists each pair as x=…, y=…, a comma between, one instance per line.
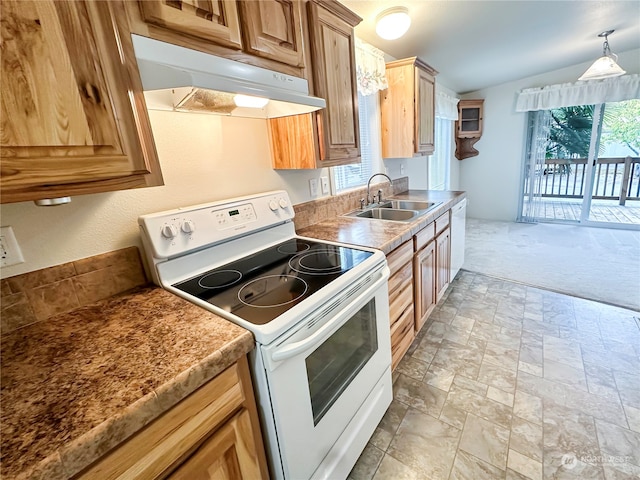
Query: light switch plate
x=10, y=253
x=324, y=181
x=313, y=187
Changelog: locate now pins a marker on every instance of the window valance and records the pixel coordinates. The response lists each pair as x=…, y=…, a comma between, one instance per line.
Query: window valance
x=588, y=92
x=446, y=106
x=370, y=68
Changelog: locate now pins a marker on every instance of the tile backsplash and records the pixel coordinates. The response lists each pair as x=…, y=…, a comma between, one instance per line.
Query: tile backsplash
x=38, y=295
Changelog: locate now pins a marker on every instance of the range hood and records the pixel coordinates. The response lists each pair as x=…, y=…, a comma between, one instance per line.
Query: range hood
x=180, y=79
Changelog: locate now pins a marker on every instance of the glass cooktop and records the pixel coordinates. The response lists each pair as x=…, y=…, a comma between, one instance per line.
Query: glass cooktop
x=262, y=286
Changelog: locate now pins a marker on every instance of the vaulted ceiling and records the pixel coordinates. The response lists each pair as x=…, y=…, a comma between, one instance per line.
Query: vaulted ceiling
x=477, y=44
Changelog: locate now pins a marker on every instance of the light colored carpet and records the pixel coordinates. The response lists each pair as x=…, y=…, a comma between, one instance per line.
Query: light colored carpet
x=594, y=263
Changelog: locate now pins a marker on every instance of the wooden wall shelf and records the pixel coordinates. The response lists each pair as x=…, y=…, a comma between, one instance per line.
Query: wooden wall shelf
x=468, y=127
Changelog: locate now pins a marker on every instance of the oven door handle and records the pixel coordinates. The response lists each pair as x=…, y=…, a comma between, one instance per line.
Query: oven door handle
x=323, y=332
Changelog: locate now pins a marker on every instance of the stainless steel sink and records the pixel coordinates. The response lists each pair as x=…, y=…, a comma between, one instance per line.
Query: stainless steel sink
x=395, y=210
x=408, y=205
x=387, y=214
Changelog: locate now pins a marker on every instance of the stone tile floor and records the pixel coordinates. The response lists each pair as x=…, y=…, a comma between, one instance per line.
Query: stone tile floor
x=512, y=382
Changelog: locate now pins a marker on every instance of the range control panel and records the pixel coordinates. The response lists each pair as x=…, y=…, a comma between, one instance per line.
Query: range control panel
x=175, y=232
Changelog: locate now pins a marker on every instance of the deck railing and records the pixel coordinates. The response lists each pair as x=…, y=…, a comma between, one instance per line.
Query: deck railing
x=615, y=178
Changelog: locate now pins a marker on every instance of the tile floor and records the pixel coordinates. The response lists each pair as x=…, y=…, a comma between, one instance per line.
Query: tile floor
x=513, y=382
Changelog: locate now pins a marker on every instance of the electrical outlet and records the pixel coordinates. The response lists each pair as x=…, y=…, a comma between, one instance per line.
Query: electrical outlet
x=10, y=253
x=313, y=187
x=325, y=185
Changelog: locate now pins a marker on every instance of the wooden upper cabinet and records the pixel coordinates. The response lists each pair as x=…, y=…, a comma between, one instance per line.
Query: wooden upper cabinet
x=273, y=29
x=265, y=33
x=330, y=136
x=74, y=119
x=212, y=20
x=408, y=109
x=469, y=124
x=425, y=111
x=468, y=127
x=332, y=42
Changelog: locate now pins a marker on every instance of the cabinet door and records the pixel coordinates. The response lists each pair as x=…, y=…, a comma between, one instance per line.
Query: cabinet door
x=273, y=30
x=334, y=79
x=74, y=119
x=229, y=454
x=425, y=113
x=469, y=119
x=397, y=112
x=443, y=262
x=425, y=289
x=216, y=21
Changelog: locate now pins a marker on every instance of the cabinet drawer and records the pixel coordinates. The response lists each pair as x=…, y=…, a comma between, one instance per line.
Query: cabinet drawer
x=442, y=222
x=164, y=443
x=400, y=256
x=402, y=334
x=400, y=300
x=400, y=279
x=424, y=236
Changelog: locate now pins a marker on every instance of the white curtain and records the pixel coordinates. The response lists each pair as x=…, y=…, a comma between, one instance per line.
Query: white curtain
x=370, y=68
x=446, y=106
x=588, y=92
x=539, y=125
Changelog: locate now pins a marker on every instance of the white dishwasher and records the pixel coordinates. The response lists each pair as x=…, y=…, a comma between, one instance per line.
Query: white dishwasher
x=458, y=215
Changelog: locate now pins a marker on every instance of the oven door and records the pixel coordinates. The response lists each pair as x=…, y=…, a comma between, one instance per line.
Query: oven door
x=320, y=377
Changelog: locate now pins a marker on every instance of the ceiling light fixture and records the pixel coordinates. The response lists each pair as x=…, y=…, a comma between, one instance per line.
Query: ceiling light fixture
x=393, y=23
x=605, y=66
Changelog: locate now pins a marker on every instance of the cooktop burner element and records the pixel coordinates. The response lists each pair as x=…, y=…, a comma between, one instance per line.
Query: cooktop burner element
x=272, y=291
x=319, y=262
x=261, y=286
x=220, y=279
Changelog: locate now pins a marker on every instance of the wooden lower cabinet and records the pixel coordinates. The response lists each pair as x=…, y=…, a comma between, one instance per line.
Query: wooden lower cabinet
x=425, y=289
x=224, y=456
x=443, y=262
x=432, y=267
x=401, y=301
x=213, y=433
x=418, y=282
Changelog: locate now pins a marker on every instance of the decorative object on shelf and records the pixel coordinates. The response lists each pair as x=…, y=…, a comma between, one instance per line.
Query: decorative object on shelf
x=468, y=127
x=393, y=23
x=606, y=66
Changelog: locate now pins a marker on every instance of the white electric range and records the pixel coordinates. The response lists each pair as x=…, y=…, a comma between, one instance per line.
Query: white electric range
x=318, y=311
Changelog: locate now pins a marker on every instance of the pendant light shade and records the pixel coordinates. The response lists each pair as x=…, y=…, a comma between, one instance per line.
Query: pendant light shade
x=605, y=66
x=393, y=23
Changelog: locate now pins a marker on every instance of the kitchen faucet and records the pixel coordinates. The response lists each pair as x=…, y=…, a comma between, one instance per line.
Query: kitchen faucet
x=379, y=191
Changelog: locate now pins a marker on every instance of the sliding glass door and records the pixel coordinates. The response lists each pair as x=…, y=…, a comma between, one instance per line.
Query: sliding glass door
x=582, y=165
x=614, y=197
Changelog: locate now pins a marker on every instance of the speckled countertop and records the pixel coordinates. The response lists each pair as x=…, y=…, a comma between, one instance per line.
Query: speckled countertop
x=76, y=385
x=381, y=234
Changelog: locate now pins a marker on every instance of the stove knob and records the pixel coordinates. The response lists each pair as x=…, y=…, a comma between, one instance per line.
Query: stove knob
x=283, y=203
x=169, y=231
x=188, y=226
x=273, y=205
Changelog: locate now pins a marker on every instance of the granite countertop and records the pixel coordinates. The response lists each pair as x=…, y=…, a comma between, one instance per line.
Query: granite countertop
x=76, y=385
x=382, y=234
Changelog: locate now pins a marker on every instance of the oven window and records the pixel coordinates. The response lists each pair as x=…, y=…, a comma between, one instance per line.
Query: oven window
x=332, y=366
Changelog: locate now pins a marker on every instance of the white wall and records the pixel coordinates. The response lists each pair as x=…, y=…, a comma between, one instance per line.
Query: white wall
x=492, y=179
x=203, y=158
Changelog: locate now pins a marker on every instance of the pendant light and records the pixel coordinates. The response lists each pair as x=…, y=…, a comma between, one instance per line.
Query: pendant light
x=393, y=23
x=606, y=65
